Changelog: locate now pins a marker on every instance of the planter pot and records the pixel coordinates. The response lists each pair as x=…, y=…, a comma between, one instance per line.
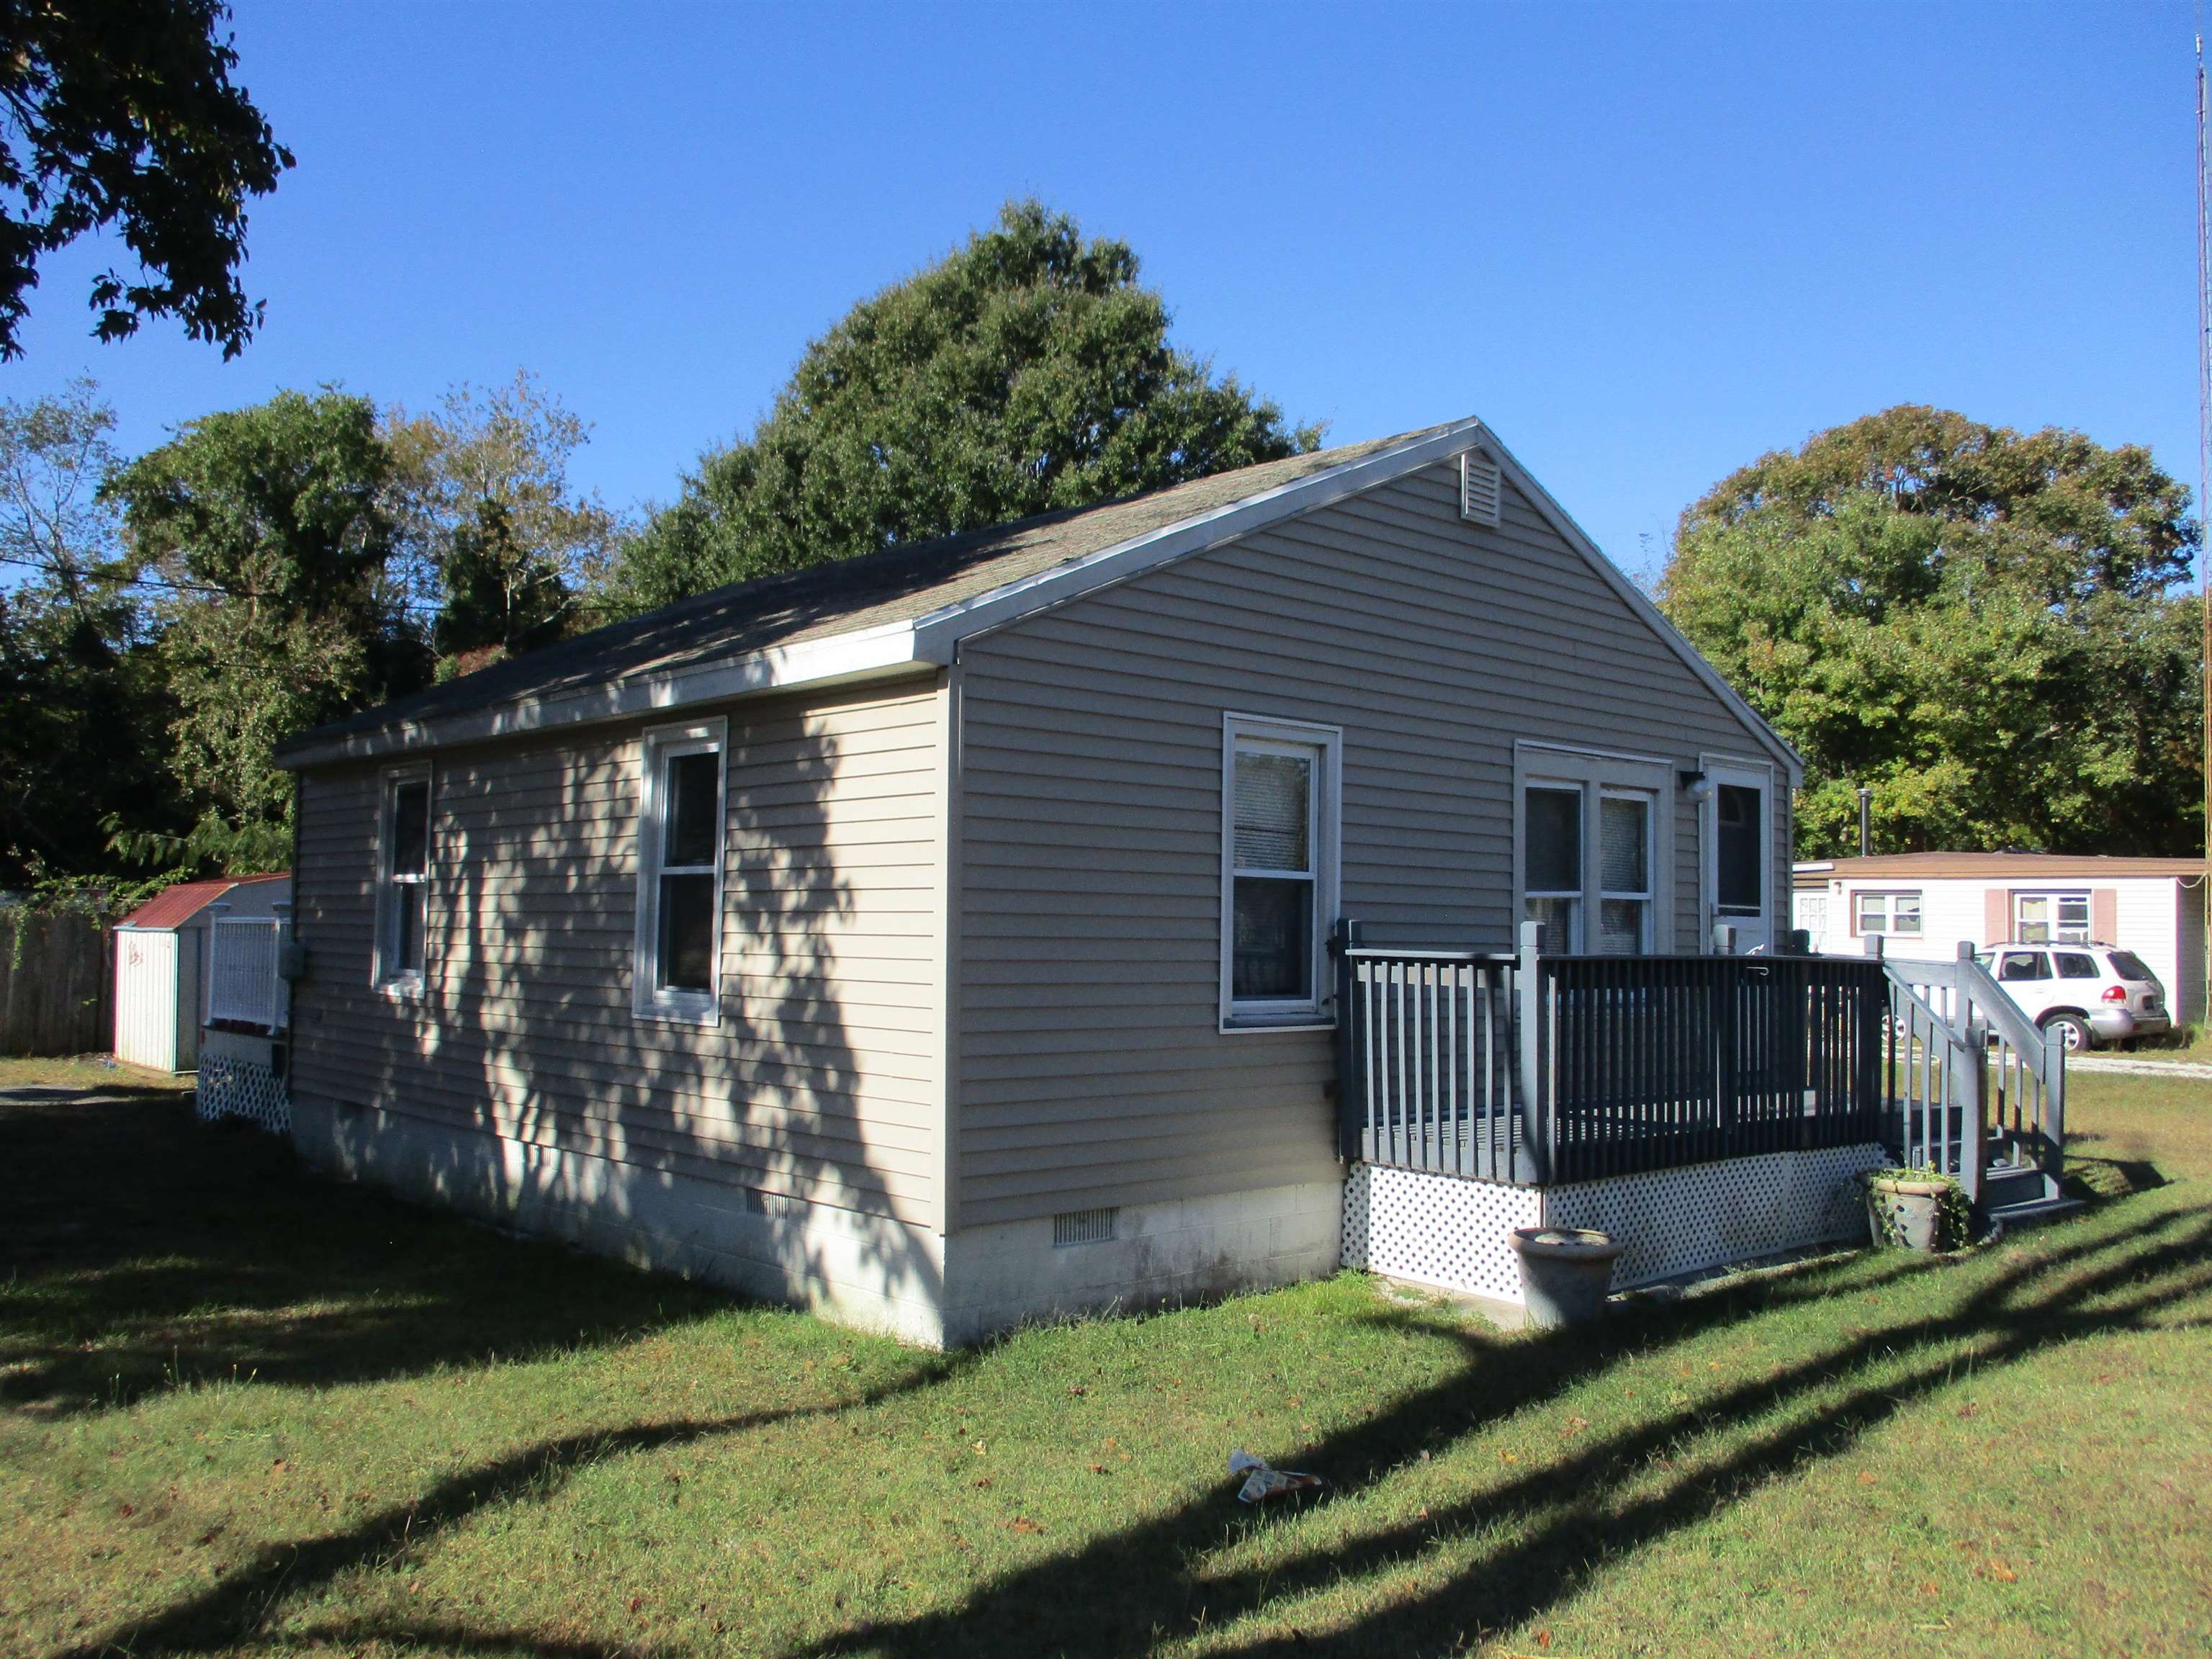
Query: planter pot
x=1566, y=1272
x=1905, y=1212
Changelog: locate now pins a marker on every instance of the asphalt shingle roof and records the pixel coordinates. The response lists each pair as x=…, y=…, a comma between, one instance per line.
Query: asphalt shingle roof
x=897, y=585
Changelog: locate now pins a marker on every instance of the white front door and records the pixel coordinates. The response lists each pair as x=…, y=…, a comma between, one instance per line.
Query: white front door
x=1740, y=854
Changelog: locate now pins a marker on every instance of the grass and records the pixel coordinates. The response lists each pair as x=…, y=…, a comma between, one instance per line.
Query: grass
x=243, y=1413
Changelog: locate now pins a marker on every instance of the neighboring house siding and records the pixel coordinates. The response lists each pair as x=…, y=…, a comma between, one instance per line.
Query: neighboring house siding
x=1091, y=1070
x=823, y=1082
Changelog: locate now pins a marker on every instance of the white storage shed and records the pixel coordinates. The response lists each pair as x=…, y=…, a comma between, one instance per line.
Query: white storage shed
x=162, y=964
x=1924, y=904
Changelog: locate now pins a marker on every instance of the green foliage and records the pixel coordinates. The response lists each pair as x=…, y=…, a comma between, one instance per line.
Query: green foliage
x=491, y=540
x=83, y=707
x=1979, y=624
x=268, y=528
x=122, y=115
x=1028, y=371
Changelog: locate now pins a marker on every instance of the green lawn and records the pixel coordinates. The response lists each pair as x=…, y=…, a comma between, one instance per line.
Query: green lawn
x=242, y=1412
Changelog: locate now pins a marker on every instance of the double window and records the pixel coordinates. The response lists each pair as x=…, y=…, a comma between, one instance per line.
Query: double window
x=403, y=879
x=1278, y=831
x=1894, y=914
x=2050, y=918
x=1589, y=855
x=677, y=973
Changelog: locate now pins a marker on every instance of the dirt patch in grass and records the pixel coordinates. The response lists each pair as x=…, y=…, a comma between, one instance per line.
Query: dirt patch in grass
x=245, y=1412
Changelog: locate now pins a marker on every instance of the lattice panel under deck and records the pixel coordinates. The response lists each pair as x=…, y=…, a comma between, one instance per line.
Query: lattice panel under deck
x=1678, y=1221
x=1439, y=1230
x=239, y=1088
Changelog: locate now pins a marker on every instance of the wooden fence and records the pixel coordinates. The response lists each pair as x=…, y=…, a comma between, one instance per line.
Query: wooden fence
x=57, y=982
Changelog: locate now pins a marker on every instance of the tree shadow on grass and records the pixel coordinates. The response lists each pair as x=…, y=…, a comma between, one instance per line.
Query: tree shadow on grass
x=135, y=1241
x=1120, y=1595
x=232, y=1614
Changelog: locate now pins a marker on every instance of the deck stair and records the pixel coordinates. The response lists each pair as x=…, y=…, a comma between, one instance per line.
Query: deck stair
x=1960, y=1053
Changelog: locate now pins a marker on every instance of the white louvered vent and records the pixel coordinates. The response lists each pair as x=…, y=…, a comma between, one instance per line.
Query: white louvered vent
x=1480, y=484
x=1082, y=1227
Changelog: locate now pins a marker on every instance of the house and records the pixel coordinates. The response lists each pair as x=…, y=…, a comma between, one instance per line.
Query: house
x=942, y=939
x=1928, y=904
x=165, y=961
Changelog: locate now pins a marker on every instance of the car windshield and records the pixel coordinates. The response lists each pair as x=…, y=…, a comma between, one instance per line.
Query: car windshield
x=2128, y=965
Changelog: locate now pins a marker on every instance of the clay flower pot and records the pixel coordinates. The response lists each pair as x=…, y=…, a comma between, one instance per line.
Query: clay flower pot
x=1566, y=1272
x=1905, y=1212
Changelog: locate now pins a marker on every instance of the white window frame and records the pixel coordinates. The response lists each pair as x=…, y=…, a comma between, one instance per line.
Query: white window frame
x=1572, y=944
x=1325, y=827
x=1889, y=896
x=656, y=748
x=383, y=974
x=2054, y=897
x=1596, y=773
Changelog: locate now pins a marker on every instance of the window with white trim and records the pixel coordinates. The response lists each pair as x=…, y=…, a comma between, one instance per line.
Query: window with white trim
x=403, y=879
x=1591, y=860
x=678, y=969
x=2050, y=918
x=1895, y=915
x=1278, y=831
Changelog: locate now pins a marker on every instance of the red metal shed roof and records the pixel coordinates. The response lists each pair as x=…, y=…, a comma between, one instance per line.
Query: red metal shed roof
x=173, y=906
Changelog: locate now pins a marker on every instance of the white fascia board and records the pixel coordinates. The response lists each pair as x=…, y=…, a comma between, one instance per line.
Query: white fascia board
x=1611, y=574
x=942, y=629
x=872, y=653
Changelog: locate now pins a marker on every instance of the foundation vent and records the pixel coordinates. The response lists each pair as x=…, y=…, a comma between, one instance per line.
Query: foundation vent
x=1084, y=1227
x=1480, y=485
x=755, y=1202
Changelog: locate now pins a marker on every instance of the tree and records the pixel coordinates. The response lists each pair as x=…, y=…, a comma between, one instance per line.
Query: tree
x=1025, y=371
x=122, y=114
x=494, y=543
x=1982, y=626
x=268, y=527
x=82, y=710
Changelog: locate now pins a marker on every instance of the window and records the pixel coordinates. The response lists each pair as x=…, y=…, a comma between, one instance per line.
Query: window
x=677, y=969
x=402, y=879
x=2126, y=964
x=1894, y=913
x=1623, y=909
x=1278, y=869
x=2076, y=965
x=1591, y=860
x=1739, y=853
x=1552, y=839
x=2050, y=918
x=2023, y=965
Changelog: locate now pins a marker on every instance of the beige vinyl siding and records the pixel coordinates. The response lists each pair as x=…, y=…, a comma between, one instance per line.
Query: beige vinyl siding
x=823, y=1080
x=1092, y=1071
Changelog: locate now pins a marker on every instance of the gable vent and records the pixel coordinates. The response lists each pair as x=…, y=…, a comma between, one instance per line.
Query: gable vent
x=1084, y=1227
x=1480, y=485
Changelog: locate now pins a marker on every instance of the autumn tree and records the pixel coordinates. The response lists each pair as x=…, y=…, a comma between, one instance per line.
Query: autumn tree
x=1028, y=370
x=1984, y=626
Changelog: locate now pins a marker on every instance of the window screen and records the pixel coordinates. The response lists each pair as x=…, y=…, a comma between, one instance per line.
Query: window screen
x=689, y=844
x=1738, y=853
x=404, y=913
x=1271, y=947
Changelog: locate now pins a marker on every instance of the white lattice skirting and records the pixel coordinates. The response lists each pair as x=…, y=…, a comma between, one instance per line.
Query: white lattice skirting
x=240, y=1088
x=1451, y=1232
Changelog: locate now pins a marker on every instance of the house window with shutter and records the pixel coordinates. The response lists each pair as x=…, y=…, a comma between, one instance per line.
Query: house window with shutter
x=676, y=969
x=2050, y=918
x=1278, y=835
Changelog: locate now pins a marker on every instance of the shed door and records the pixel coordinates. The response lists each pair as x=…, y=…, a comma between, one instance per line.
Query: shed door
x=146, y=999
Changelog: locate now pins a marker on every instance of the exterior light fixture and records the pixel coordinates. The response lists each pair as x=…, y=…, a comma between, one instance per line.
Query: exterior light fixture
x=1696, y=785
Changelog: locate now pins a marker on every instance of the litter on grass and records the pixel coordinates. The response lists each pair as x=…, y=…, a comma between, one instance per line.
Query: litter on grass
x=1262, y=1482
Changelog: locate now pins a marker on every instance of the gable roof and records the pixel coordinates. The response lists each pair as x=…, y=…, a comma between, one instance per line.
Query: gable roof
x=173, y=906
x=1996, y=866
x=904, y=610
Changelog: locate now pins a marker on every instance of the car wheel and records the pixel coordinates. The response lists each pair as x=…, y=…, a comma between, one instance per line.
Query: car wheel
x=2073, y=1031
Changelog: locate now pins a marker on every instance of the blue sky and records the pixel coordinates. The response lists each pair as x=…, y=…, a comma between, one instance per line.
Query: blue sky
x=1645, y=243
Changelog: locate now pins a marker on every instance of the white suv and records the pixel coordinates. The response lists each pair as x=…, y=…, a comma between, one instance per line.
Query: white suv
x=2088, y=993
